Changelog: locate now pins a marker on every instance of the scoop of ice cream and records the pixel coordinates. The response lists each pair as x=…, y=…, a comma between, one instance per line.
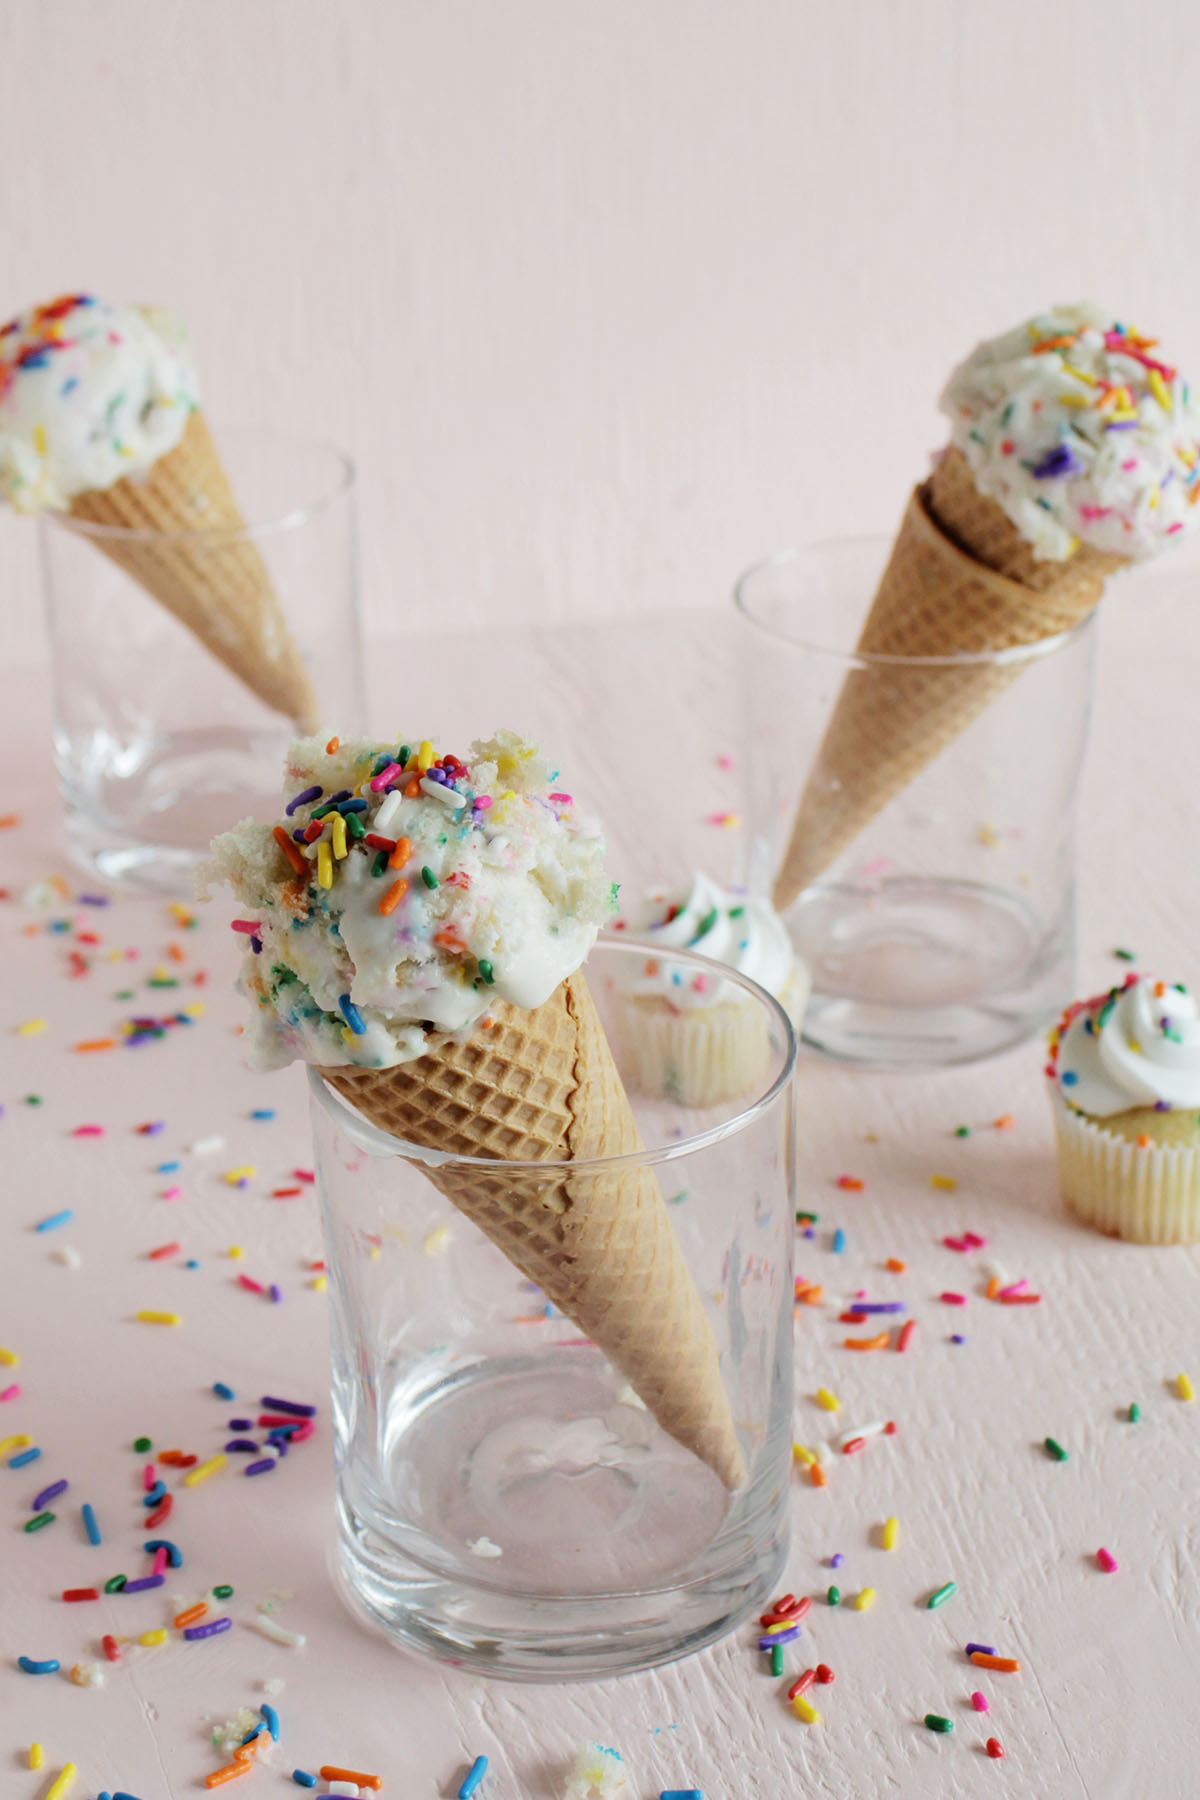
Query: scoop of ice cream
x=1136, y=1046
x=402, y=893
x=732, y=928
x=89, y=393
x=1082, y=432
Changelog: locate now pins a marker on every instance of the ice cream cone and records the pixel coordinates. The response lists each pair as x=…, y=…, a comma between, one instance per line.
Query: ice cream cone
x=217, y=586
x=961, y=581
x=541, y=1085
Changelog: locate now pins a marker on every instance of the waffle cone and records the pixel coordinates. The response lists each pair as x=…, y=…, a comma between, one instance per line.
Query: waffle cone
x=961, y=580
x=218, y=587
x=542, y=1086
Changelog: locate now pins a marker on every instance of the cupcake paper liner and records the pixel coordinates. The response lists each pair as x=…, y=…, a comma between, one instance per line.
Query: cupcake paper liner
x=1148, y=1195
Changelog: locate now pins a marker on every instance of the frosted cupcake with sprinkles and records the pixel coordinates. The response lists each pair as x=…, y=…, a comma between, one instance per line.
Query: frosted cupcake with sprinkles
x=1124, y=1077
x=100, y=420
x=1074, y=452
x=415, y=929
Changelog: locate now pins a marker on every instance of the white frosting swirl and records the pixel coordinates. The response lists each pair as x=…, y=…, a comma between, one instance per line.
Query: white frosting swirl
x=1136, y=1046
x=89, y=393
x=732, y=928
x=1082, y=432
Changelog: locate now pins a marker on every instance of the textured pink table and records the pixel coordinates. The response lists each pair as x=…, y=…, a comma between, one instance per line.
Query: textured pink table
x=1110, y=1661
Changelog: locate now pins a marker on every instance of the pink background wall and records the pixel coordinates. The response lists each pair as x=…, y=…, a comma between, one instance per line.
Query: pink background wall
x=606, y=298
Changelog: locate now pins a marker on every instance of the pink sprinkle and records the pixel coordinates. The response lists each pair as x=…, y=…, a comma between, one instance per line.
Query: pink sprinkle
x=250, y=927
x=303, y=1175
x=979, y=1701
x=481, y=802
x=1130, y=463
x=1094, y=512
x=701, y=984
x=88, y=1131
x=248, y=1281
x=1177, y=526
x=172, y=1193
x=954, y=1299
x=953, y=1243
x=11, y=1393
x=149, y=1477
x=380, y=781
x=1015, y=1287
x=562, y=799
x=727, y=819
x=974, y=1240
x=1107, y=1561
x=877, y=867
x=725, y=761
x=160, y=1562
x=305, y=1431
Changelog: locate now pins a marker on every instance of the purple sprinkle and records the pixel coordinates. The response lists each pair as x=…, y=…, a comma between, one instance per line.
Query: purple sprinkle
x=1162, y=1106
x=260, y=1467
x=213, y=1628
x=242, y=1447
x=241, y=1424
x=48, y=1494
x=256, y=945
x=93, y=899
x=302, y=799
x=278, y=1441
x=146, y=1582
x=342, y=794
x=836, y=1560
x=958, y=1338
x=1061, y=460
x=880, y=1306
x=276, y=1292
x=769, y=1639
x=985, y=1649
x=301, y=1411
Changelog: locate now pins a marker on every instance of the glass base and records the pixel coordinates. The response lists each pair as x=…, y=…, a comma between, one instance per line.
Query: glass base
x=144, y=811
x=531, y=1521
x=923, y=971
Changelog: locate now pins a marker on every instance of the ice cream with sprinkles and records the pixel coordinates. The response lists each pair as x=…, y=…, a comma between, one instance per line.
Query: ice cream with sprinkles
x=404, y=891
x=89, y=393
x=1083, y=431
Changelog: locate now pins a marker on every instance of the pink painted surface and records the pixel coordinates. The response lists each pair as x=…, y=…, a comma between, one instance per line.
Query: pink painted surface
x=1109, y=1664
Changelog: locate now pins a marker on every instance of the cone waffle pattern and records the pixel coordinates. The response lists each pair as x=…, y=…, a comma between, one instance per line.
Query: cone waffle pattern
x=219, y=589
x=960, y=580
x=542, y=1086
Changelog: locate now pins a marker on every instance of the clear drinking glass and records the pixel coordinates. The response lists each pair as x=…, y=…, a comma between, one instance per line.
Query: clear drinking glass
x=157, y=744
x=944, y=929
x=504, y=1500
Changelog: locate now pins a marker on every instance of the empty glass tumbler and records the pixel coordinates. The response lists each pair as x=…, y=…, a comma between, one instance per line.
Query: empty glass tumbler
x=934, y=858
x=163, y=732
x=505, y=1499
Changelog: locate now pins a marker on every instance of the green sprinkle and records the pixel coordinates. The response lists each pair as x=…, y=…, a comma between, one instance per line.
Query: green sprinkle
x=142, y=1444
x=428, y=877
x=679, y=1198
x=380, y=863
x=962, y=1131
x=403, y=754
x=777, y=1659
x=115, y=1583
x=1056, y=1450
x=381, y=763
x=355, y=826
x=123, y=994
x=834, y=1596
x=40, y=1519
x=224, y=1592
x=936, y=1722
x=807, y=1218
x=319, y=812
x=735, y=912
x=33, y=1099
x=485, y=971
x=162, y=981
x=707, y=922
x=1135, y=1412
x=1124, y=955
x=942, y=1594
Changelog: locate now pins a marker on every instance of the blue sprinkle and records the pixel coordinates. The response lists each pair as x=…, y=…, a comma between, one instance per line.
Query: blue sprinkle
x=1069, y=1078
x=90, y=1524
x=839, y=1241
x=32, y=1667
x=272, y=1719
x=174, y=1553
x=254, y=1731
x=473, y=1777
x=263, y=1112
x=302, y=1778
x=168, y=1168
x=351, y=1015
x=55, y=1220
x=68, y=387
x=352, y=806
x=191, y=1263
x=222, y=1392
x=26, y=1456
x=154, y=1494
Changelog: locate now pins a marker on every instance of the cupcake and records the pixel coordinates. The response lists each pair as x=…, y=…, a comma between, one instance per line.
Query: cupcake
x=694, y=1038
x=1125, y=1086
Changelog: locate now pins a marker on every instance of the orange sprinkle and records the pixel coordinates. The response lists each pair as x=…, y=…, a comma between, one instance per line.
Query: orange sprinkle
x=850, y=1184
x=334, y=744
x=329, y=1773
x=413, y=788
x=993, y=1287
x=817, y=1475
x=8, y=820
x=448, y=939
x=1055, y=343
x=191, y=1614
x=230, y=1772
x=813, y=1295
x=291, y=850
x=895, y=1265
x=393, y=897
x=1003, y=1123
x=487, y=1024
x=1160, y=988
x=872, y=1343
x=97, y=1044
x=400, y=854
x=1143, y=1141
x=1008, y=1665
x=175, y=953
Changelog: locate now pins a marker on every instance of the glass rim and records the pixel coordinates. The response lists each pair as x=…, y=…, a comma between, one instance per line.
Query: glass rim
x=382, y=1143
x=344, y=477
x=780, y=559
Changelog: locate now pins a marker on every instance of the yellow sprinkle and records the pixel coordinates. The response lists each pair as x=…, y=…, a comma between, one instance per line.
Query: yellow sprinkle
x=861, y=1601
x=179, y=912
x=324, y=864
x=318, y=1282
x=1080, y=374
x=337, y=835
x=374, y=1254
x=1183, y=1387
x=9, y=1358
x=39, y=439
x=153, y=1637
x=781, y=1625
x=158, y=1318
x=1122, y=415
x=947, y=1183
x=424, y=755
x=829, y=1401
x=803, y=1454
x=31, y=1027
x=19, y=1442
x=438, y=1241
x=806, y=1710
x=1076, y=400
x=205, y=1469
x=1135, y=1046
x=247, y=1172
x=37, y=1756
x=891, y=1533
x=235, y=1251
x=59, y=1786
x=1159, y=389
x=195, y=1010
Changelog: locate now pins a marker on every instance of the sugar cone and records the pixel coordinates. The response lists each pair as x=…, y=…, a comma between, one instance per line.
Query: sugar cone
x=219, y=588
x=540, y=1086
x=961, y=580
